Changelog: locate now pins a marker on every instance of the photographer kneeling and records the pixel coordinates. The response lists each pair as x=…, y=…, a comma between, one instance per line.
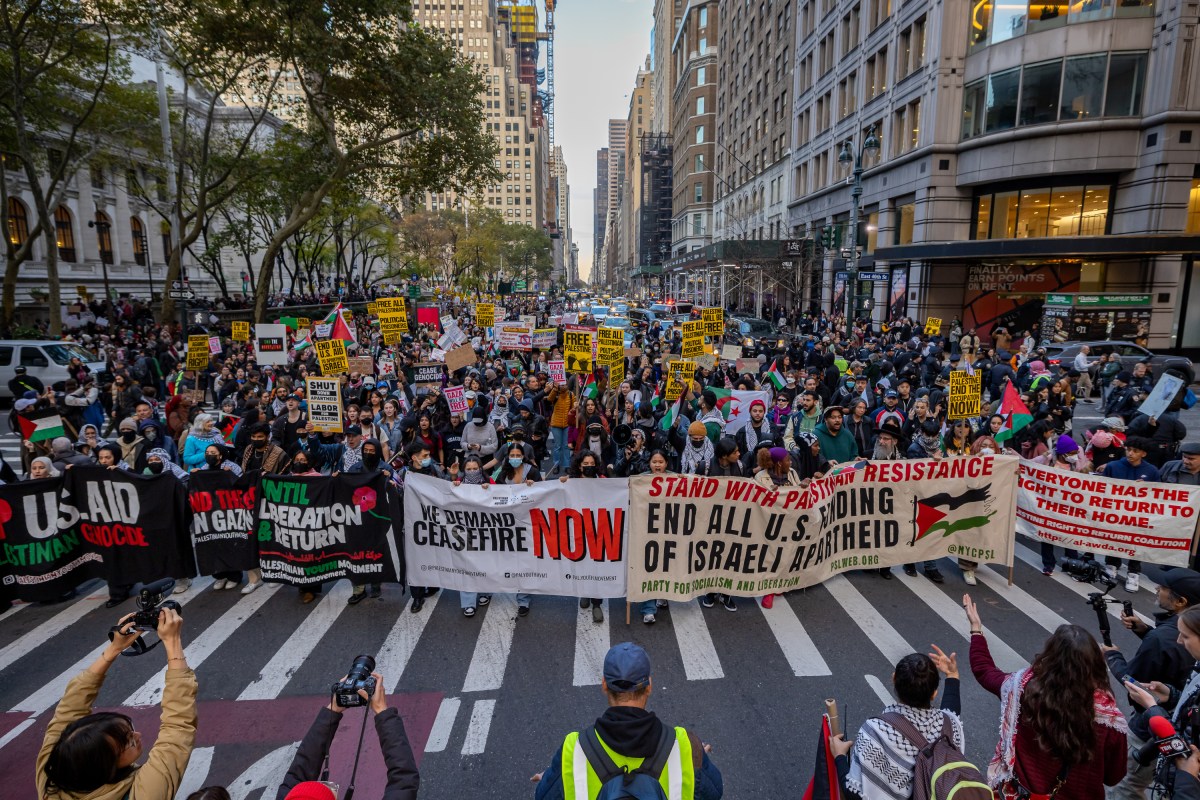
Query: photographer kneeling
x=86, y=754
x=302, y=781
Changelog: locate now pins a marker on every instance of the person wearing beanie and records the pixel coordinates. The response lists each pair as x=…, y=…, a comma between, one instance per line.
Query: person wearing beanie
x=758, y=429
x=479, y=437
x=403, y=780
x=1066, y=455
x=698, y=451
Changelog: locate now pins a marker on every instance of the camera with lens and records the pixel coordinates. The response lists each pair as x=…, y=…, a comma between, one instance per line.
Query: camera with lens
x=1087, y=570
x=152, y=599
x=346, y=691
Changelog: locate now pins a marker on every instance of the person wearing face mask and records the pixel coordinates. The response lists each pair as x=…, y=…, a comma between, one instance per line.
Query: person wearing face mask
x=371, y=462
x=479, y=437
x=215, y=458
x=1066, y=455
x=132, y=446
x=155, y=434
x=473, y=475
x=262, y=454
x=586, y=465
x=203, y=433
x=698, y=452
x=596, y=441
x=158, y=462
x=420, y=461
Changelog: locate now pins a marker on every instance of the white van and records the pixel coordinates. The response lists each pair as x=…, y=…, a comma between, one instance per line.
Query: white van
x=45, y=360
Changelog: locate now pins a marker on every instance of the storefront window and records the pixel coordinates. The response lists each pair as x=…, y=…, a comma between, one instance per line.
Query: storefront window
x=1083, y=86
x=1095, y=211
x=1039, y=212
x=1066, y=204
x=1002, y=100
x=1046, y=15
x=905, y=220
x=1193, y=212
x=983, y=216
x=1126, y=75
x=1040, y=86
x=1008, y=20
x=1033, y=213
x=1090, y=10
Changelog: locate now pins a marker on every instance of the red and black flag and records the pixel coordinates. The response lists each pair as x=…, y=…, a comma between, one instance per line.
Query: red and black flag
x=824, y=784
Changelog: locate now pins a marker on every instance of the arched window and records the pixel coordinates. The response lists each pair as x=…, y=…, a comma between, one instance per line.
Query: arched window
x=18, y=222
x=104, y=236
x=139, y=240
x=65, y=234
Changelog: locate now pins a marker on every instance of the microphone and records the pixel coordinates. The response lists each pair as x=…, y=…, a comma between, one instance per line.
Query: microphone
x=1167, y=742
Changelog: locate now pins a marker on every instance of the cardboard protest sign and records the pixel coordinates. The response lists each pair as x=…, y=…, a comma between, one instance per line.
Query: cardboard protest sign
x=331, y=353
x=558, y=372
x=1161, y=396
x=550, y=538
x=197, y=351
x=1131, y=519
x=731, y=353
x=455, y=399
x=427, y=372
x=241, y=331
x=386, y=367
x=270, y=344
x=459, y=357
x=363, y=365
x=544, y=338
x=747, y=365
x=966, y=395
x=747, y=540
x=324, y=399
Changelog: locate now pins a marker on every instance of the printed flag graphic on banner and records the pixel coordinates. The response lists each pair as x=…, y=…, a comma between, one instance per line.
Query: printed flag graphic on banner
x=928, y=518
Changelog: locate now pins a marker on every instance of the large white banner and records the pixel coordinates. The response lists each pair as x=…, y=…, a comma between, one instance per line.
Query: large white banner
x=1106, y=516
x=549, y=538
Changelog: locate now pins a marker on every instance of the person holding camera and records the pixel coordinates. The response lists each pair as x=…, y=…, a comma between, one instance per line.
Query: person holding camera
x=1160, y=657
x=95, y=754
x=303, y=776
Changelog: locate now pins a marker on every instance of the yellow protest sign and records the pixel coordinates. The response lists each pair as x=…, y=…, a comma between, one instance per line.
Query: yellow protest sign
x=966, y=395
x=332, y=355
x=384, y=305
x=485, y=314
x=933, y=326
x=610, y=346
x=693, y=339
x=373, y=309
x=392, y=326
x=679, y=375
x=616, y=372
x=303, y=322
x=713, y=320
x=241, y=331
x=197, y=351
x=577, y=351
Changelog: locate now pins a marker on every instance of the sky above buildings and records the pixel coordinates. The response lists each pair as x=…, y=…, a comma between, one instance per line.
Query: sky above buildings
x=598, y=47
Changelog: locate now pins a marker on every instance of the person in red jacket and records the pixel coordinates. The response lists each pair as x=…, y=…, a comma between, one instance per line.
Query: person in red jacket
x=1061, y=731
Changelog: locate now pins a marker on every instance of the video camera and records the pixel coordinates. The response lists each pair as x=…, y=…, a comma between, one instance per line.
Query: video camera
x=150, y=601
x=1088, y=570
x=345, y=691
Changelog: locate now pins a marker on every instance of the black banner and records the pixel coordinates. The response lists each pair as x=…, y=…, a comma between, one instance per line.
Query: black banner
x=38, y=560
x=222, y=520
x=135, y=523
x=317, y=529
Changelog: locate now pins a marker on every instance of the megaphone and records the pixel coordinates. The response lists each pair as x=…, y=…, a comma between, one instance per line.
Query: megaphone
x=622, y=434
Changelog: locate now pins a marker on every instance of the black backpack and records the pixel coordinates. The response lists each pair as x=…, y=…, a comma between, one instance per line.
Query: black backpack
x=942, y=772
x=619, y=784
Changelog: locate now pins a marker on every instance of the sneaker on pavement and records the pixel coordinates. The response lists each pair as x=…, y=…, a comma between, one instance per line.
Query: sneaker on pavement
x=660, y=603
x=706, y=601
x=583, y=602
x=969, y=577
x=356, y=598
x=647, y=619
x=1048, y=571
x=729, y=603
x=218, y=585
x=910, y=570
x=182, y=585
x=469, y=611
x=251, y=587
x=522, y=611
x=1132, y=582
x=484, y=599
x=307, y=597
x=597, y=614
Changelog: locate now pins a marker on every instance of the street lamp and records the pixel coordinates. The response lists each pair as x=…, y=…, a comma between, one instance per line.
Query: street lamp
x=103, y=236
x=847, y=157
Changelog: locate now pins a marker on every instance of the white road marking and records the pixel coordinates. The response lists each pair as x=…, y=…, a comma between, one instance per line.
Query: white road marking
x=1081, y=589
x=882, y=692
x=878, y=630
x=591, y=645
x=443, y=724
x=204, y=645
x=195, y=777
x=700, y=661
x=49, y=694
x=1006, y=658
x=798, y=648
x=486, y=672
x=51, y=627
x=1020, y=599
x=16, y=731
x=291, y=655
x=401, y=641
x=478, y=727
x=16, y=607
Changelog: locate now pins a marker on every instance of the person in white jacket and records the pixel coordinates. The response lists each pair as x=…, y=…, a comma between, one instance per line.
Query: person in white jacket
x=479, y=435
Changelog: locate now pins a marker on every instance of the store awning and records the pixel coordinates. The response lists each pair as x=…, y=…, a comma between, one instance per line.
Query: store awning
x=1053, y=247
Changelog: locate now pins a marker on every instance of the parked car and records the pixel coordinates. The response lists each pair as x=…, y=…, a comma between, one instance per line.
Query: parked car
x=1129, y=353
x=45, y=360
x=753, y=335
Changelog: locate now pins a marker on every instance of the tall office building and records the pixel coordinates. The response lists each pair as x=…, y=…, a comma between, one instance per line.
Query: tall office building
x=599, y=206
x=637, y=125
x=693, y=127
x=667, y=14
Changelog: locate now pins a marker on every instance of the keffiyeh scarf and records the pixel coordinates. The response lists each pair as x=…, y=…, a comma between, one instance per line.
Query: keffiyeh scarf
x=752, y=435
x=692, y=455
x=883, y=760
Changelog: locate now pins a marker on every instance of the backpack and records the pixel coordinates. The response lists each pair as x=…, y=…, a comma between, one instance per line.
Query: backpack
x=618, y=784
x=942, y=772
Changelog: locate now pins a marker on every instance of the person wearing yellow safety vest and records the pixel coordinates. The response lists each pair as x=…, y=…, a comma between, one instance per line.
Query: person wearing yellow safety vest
x=639, y=755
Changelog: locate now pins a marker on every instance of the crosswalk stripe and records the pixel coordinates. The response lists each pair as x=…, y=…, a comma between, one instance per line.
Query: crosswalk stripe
x=1081, y=589
x=798, y=648
x=477, y=729
x=700, y=661
x=882, y=692
x=401, y=641
x=49, y=694
x=54, y=625
x=486, y=672
x=940, y=603
x=204, y=645
x=1020, y=599
x=1144, y=582
x=291, y=655
x=443, y=725
x=17, y=607
x=877, y=629
x=591, y=645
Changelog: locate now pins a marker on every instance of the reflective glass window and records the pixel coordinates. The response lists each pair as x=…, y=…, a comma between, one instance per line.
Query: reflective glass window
x=1040, y=88
x=1094, y=221
x=1033, y=213
x=1046, y=14
x=1126, y=77
x=1002, y=100
x=1008, y=20
x=1066, y=203
x=1083, y=86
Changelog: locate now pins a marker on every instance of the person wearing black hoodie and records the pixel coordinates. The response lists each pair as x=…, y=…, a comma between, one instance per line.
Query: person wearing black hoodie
x=371, y=462
x=630, y=732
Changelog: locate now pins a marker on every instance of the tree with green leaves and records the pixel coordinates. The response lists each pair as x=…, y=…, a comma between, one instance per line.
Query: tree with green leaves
x=65, y=102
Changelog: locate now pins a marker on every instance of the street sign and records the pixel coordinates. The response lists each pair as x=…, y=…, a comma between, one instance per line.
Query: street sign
x=181, y=294
x=878, y=277
x=414, y=291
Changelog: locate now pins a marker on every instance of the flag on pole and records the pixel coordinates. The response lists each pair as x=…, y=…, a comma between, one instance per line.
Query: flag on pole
x=340, y=329
x=590, y=389
x=668, y=420
x=41, y=426
x=1015, y=412
x=776, y=377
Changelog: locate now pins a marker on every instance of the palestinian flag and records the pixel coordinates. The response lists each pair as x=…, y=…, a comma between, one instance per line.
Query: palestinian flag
x=590, y=389
x=303, y=340
x=928, y=518
x=340, y=329
x=655, y=399
x=668, y=420
x=824, y=784
x=41, y=426
x=776, y=377
x=1015, y=412
x=228, y=426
